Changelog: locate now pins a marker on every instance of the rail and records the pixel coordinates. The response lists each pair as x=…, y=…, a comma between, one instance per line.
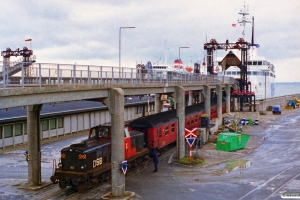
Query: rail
x=38, y=74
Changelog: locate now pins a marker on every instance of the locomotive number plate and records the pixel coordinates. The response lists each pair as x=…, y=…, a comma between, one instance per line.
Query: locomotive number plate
x=97, y=162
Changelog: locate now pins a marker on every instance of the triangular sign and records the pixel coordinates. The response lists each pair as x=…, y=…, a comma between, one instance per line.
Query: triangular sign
x=190, y=141
x=124, y=166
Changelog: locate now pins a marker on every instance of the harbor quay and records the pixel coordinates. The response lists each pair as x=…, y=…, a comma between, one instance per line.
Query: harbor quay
x=240, y=174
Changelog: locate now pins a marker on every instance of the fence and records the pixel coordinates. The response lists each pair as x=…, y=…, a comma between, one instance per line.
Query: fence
x=36, y=74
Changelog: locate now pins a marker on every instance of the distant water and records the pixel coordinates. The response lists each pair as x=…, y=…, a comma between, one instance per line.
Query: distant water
x=287, y=88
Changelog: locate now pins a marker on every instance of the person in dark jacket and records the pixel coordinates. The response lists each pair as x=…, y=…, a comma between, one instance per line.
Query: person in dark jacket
x=155, y=160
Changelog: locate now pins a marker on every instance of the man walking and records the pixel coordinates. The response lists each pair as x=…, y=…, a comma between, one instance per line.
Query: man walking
x=155, y=160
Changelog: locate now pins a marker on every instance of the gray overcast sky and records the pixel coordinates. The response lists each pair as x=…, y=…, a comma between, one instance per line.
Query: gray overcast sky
x=87, y=32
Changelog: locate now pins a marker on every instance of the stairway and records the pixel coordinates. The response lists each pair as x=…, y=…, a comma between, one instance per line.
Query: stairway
x=16, y=66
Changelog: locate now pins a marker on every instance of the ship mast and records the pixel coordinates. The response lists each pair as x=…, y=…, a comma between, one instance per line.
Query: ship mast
x=244, y=20
x=252, y=39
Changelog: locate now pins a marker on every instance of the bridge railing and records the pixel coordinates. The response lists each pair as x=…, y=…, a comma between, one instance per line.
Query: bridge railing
x=38, y=74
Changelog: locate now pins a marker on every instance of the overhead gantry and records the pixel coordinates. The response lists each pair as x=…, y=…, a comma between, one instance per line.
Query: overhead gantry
x=11, y=68
x=231, y=60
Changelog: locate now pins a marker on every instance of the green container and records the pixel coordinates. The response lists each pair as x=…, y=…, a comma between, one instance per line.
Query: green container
x=250, y=121
x=232, y=141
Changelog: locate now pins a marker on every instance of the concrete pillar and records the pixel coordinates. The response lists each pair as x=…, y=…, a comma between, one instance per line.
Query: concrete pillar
x=219, y=101
x=207, y=100
x=180, y=113
x=34, y=145
x=200, y=97
x=158, y=104
x=115, y=104
x=190, y=98
x=227, y=90
x=235, y=103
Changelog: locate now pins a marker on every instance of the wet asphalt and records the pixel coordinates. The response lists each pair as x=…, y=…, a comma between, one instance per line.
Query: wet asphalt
x=267, y=168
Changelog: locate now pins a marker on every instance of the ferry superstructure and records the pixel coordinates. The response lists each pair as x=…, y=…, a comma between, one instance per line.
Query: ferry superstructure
x=260, y=71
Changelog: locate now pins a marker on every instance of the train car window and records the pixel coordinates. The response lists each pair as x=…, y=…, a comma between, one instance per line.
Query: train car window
x=188, y=121
x=173, y=127
x=103, y=132
x=196, y=118
x=136, y=110
x=18, y=129
x=93, y=133
x=192, y=119
x=8, y=131
x=167, y=130
x=160, y=130
x=1, y=132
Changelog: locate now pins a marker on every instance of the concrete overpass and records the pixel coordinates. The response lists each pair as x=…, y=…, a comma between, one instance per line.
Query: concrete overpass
x=111, y=91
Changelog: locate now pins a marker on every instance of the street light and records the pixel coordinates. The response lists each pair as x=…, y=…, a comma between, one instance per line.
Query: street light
x=182, y=48
x=120, y=43
x=265, y=73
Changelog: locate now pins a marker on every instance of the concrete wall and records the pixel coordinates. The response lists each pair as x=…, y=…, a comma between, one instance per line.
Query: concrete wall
x=276, y=101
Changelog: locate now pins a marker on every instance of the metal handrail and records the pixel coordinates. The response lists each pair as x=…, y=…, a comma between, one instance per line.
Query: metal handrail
x=56, y=74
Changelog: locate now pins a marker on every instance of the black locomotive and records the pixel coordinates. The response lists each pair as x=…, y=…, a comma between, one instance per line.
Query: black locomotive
x=89, y=162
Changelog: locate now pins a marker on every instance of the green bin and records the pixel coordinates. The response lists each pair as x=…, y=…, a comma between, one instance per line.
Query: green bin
x=250, y=121
x=232, y=141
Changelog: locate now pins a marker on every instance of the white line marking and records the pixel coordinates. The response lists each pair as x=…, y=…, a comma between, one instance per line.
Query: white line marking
x=262, y=185
x=282, y=186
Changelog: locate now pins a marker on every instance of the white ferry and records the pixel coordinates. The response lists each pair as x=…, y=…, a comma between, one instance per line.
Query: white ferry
x=261, y=73
x=163, y=70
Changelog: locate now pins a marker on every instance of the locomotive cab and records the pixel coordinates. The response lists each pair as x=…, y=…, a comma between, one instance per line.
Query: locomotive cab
x=102, y=131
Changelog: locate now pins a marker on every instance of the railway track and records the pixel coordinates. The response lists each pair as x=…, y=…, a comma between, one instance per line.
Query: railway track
x=276, y=186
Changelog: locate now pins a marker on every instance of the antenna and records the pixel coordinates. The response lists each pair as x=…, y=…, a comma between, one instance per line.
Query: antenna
x=252, y=41
x=243, y=20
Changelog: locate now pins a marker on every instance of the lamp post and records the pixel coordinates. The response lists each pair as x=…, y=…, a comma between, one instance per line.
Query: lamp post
x=182, y=48
x=120, y=42
x=265, y=73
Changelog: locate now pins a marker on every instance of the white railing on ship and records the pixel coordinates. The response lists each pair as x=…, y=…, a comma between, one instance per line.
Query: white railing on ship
x=38, y=74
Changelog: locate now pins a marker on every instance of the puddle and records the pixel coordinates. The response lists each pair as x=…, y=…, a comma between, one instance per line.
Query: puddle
x=233, y=165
